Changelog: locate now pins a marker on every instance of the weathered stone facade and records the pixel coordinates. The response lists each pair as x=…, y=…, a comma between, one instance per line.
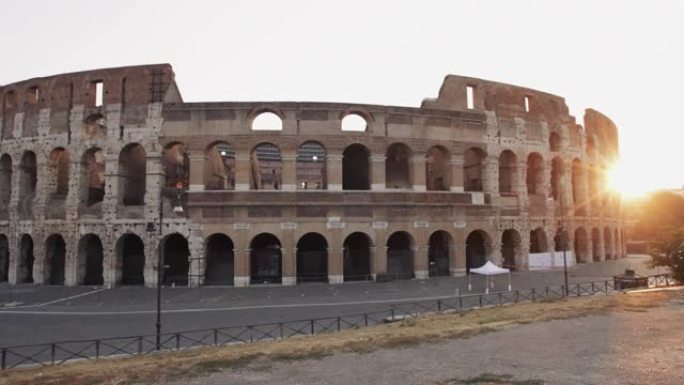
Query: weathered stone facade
x=481, y=172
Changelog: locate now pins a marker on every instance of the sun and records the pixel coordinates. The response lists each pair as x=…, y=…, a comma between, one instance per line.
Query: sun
x=622, y=181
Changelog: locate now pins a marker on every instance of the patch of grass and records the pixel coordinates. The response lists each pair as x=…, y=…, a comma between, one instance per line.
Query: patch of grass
x=159, y=368
x=491, y=379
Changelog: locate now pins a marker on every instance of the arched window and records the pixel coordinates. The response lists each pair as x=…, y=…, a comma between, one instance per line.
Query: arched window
x=176, y=260
x=556, y=177
x=55, y=259
x=5, y=185
x=478, y=249
x=473, y=167
x=535, y=174
x=220, y=261
x=95, y=127
x=538, y=243
x=267, y=121
x=554, y=141
x=578, y=188
x=356, y=168
x=354, y=123
x=176, y=166
x=311, y=167
x=27, y=185
x=130, y=257
x=219, y=167
x=92, y=177
x=132, y=175
x=58, y=181
x=267, y=167
x=507, y=172
x=312, y=258
x=397, y=168
x=90, y=260
x=265, y=259
x=437, y=169
x=511, y=249
x=439, y=252
x=560, y=240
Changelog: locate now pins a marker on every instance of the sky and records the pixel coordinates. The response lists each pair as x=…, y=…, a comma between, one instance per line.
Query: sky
x=623, y=58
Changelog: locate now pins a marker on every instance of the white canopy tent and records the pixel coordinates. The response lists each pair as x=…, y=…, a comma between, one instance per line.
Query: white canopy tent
x=487, y=270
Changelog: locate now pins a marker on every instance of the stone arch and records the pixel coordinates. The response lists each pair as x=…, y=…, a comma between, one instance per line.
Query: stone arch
x=398, y=166
x=439, y=253
x=438, y=169
x=511, y=249
x=356, y=167
x=4, y=258
x=538, y=242
x=354, y=122
x=473, y=169
x=400, y=255
x=596, y=244
x=92, y=177
x=132, y=175
x=581, y=245
x=535, y=174
x=578, y=187
x=560, y=240
x=28, y=178
x=5, y=185
x=357, y=257
x=219, y=166
x=176, y=166
x=554, y=141
x=220, y=260
x=267, y=167
x=130, y=258
x=57, y=182
x=508, y=172
x=311, y=166
x=266, y=259
x=55, y=260
x=312, y=258
x=176, y=260
x=608, y=243
x=94, y=127
x=90, y=260
x=478, y=249
x=557, y=172
x=267, y=120
x=26, y=260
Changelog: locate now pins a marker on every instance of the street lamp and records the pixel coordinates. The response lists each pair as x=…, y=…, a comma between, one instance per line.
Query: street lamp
x=564, y=240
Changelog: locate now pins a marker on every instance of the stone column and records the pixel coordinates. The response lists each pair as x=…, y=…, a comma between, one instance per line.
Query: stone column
x=39, y=261
x=111, y=199
x=334, y=171
x=378, y=180
x=289, y=179
x=242, y=170
x=418, y=172
x=73, y=196
x=153, y=184
x=457, y=178
x=420, y=261
x=197, y=181
x=196, y=258
x=490, y=175
x=242, y=268
x=289, y=253
x=602, y=245
x=520, y=182
x=457, y=262
x=335, y=257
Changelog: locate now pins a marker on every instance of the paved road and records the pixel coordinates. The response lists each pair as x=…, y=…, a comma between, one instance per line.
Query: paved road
x=38, y=314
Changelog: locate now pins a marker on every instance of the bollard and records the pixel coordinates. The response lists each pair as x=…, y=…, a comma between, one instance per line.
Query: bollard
x=3, y=359
x=439, y=305
x=215, y=337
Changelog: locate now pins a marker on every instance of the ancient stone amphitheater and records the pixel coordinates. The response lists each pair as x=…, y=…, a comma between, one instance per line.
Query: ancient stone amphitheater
x=105, y=172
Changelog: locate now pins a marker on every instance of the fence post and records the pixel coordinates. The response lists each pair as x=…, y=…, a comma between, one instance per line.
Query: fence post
x=52, y=353
x=139, y=345
x=312, y=327
x=499, y=299
x=3, y=363
x=533, y=298
x=439, y=306
x=282, y=333
x=578, y=290
x=667, y=281
x=215, y=337
x=392, y=312
x=177, y=341
x=592, y=288
x=460, y=302
x=480, y=297
x=365, y=319
x=606, y=284
x=338, y=324
x=547, y=292
x=97, y=349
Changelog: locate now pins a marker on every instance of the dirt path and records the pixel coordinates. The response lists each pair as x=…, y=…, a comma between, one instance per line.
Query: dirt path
x=642, y=347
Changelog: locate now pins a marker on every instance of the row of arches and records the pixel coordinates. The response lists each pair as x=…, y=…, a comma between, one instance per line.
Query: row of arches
x=311, y=259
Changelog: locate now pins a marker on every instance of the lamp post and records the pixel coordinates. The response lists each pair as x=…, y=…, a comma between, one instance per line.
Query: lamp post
x=564, y=241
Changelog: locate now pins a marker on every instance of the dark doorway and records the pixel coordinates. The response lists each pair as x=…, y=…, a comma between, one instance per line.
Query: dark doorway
x=131, y=255
x=4, y=258
x=220, y=269
x=538, y=241
x=356, y=168
x=266, y=259
x=438, y=254
x=312, y=258
x=510, y=248
x=90, y=254
x=400, y=256
x=560, y=240
x=356, y=258
x=176, y=260
x=596, y=245
x=476, y=250
x=55, y=250
x=581, y=245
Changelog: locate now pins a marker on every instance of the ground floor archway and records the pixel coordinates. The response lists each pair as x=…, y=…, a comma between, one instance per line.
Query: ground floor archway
x=581, y=245
x=176, y=257
x=220, y=261
x=400, y=256
x=439, y=251
x=538, y=243
x=511, y=249
x=478, y=248
x=55, y=259
x=130, y=252
x=90, y=260
x=26, y=260
x=312, y=258
x=357, y=257
x=266, y=259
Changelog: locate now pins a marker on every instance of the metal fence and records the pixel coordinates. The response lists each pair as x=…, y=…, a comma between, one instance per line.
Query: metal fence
x=57, y=353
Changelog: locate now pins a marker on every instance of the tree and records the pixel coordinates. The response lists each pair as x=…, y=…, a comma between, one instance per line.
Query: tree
x=667, y=249
x=662, y=225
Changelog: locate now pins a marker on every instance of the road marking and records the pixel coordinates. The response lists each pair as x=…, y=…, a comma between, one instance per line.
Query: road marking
x=35, y=305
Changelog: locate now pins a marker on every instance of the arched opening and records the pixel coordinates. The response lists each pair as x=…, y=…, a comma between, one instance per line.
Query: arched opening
x=354, y=123
x=92, y=177
x=357, y=257
x=58, y=183
x=535, y=174
x=560, y=240
x=132, y=175
x=400, y=256
x=397, y=168
x=594, y=197
x=556, y=177
x=4, y=258
x=94, y=126
x=26, y=260
x=176, y=260
x=538, y=243
x=90, y=260
x=439, y=250
x=219, y=167
x=473, y=166
x=267, y=121
x=267, y=167
x=554, y=141
x=478, y=249
x=578, y=187
x=356, y=168
x=220, y=267
x=55, y=258
x=266, y=259
x=28, y=177
x=5, y=185
x=312, y=258
x=437, y=169
x=608, y=243
x=311, y=167
x=596, y=244
x=130, y=252
x=511, y=249
x=508, y=170
x=176, y=166
x=581, y=245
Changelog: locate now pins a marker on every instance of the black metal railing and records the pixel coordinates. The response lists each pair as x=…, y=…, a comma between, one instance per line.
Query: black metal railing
x=57, y=353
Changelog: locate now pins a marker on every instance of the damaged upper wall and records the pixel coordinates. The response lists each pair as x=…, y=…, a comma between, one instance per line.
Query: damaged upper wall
x=130, y=87
x=602, y=130
x=506, y=100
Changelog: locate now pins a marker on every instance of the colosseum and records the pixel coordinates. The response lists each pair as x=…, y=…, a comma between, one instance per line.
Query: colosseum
x=104, y=173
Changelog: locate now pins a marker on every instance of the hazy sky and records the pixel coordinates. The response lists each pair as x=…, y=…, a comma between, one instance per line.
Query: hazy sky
x=623, y=58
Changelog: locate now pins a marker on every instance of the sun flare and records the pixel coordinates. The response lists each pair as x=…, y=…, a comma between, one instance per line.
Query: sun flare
x=622, y=181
